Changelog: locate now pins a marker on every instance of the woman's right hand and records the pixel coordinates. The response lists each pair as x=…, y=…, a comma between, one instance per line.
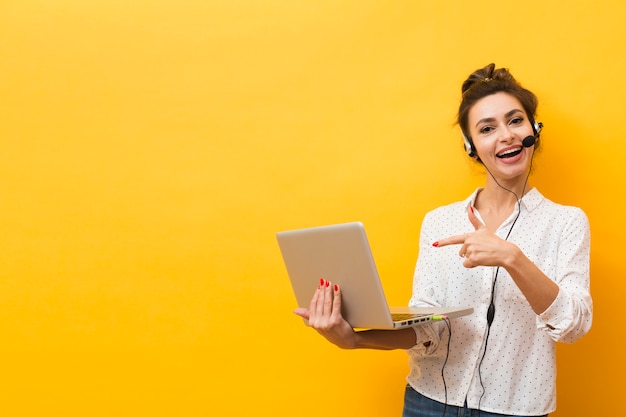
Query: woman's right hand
x=324, y=315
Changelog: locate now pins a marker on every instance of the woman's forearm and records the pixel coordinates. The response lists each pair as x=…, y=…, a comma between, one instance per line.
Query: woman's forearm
x=385, y=339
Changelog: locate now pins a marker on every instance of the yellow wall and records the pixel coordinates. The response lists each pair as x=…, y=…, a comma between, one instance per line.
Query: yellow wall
x=149, y=151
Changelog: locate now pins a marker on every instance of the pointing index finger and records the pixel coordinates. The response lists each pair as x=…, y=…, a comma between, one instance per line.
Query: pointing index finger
x=460, y=239
x=452, y=240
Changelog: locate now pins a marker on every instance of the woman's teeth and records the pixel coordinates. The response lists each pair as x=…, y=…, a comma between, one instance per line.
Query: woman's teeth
x=510, y=153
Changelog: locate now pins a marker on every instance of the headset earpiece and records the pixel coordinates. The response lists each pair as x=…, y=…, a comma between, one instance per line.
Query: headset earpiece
x=469, y=146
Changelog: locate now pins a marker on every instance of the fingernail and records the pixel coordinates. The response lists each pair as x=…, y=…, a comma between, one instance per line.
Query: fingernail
x=436, y=244
x=321, y=282
x=327, y=283
x=336, y=287
x=472, y=209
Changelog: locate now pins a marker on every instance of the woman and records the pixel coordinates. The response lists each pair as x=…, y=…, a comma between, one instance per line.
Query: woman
x=519, y=259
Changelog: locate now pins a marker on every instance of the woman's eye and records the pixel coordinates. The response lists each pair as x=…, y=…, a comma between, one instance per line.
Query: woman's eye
x=516, y=121
x=486, y=129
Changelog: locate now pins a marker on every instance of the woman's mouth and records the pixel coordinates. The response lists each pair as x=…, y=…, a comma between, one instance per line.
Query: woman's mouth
x=509, y=153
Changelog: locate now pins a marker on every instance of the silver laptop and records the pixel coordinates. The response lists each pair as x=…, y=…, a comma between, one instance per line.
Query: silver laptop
x=341, y=254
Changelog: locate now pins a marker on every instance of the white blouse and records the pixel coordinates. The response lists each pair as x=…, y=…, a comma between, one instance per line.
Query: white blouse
x=518, y=368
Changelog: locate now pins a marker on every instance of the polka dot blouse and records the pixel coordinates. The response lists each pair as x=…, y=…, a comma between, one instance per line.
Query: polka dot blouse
x=514, y=371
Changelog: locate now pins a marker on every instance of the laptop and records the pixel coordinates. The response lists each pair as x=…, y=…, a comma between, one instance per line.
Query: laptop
x=341, y=254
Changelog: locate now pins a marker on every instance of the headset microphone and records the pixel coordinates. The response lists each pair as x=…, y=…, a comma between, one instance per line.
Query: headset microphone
x=528, y=141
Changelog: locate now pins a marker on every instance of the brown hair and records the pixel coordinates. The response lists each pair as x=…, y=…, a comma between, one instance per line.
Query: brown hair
x=487, y=81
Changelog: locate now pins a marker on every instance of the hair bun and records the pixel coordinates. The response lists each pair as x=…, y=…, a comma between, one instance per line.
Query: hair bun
x=487, y=74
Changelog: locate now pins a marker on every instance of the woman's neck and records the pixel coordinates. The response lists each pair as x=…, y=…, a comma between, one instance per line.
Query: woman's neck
x=502, y=191
x=495, y=203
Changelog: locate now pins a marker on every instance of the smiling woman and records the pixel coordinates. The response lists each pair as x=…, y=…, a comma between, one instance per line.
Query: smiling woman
x=545, y=262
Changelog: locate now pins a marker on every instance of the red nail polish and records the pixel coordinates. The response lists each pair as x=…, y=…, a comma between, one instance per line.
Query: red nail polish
x=472, y=209
x=436, y=244
x=327, y=284
x=321, y=281
x=336, y=287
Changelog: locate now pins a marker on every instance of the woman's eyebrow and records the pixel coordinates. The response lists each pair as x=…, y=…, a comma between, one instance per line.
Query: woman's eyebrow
x=492, y=119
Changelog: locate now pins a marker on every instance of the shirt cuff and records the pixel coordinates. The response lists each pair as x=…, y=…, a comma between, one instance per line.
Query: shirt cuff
x=554, y=313
x=425, y=342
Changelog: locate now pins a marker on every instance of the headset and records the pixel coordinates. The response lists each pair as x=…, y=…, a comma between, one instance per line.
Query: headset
x=528, y=141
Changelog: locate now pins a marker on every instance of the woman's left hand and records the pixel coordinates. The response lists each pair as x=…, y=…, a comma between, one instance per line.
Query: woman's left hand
x=481, y=247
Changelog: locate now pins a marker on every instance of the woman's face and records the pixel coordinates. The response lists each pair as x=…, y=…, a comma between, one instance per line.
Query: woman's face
x=497, y=125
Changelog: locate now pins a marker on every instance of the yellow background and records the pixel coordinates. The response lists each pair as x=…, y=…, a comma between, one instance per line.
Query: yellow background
x=151, y=149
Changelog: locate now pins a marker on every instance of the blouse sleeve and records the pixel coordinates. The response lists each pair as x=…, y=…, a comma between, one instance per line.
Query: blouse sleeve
x=423, y=294
x=569, y=317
